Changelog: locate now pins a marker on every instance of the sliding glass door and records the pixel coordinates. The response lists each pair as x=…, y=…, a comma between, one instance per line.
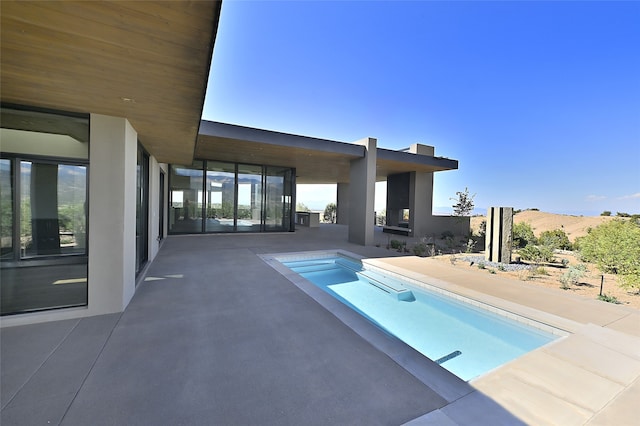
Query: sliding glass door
x=249, y=207
x=220, y=189
x=213, y=196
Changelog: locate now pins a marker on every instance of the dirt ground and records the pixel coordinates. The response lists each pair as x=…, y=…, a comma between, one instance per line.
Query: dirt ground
x=573, y=226
x=548, y=275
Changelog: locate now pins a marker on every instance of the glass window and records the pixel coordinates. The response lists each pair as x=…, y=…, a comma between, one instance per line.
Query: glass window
x=52, y=209
x=249, y=218
x=142, y=209
x=6, y=209
x=43, y=201
x=185, y=203
x=229, y=197
x=220, y=188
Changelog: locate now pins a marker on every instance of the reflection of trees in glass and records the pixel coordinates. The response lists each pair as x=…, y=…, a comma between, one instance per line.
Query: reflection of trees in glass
x=6, y=207
x=224, y=211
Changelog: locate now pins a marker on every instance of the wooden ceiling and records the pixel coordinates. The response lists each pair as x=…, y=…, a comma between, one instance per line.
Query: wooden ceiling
x=312, y=166
x=143, y=60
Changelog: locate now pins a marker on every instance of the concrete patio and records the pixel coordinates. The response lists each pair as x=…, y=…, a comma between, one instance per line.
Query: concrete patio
x=214, y=335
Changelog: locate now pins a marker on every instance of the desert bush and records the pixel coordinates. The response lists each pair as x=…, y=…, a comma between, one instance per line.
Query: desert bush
x=573, y=276
x=420, y=249
x=606, y=213
x=483, y=229
x=615, y=248
x=557, y=239
x=395, y=244
x=537, y=253
x=523, y=235
x=471, y=244
x=609, y=299
x=446, y=234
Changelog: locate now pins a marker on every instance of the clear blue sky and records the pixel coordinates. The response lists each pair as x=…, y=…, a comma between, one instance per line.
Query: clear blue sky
x=539, y=101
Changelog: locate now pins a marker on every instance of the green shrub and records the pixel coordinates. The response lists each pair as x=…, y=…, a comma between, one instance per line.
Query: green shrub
x=608, y=299
x=557, y=239
x=420, y=249
x=615, y=248
x=523, y=235
x=482, y=231
x=573, y=276
x=537, y=254
x=471, y=244
x=446, y=234
x=395, y=244
x=605, y=213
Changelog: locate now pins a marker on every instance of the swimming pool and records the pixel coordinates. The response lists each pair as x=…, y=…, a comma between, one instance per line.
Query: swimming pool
x=464, y=339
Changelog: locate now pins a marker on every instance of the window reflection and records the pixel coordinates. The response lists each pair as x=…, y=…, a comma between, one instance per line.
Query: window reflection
x=230, y=197
x=220, y=187
x=43, y=203
x=249, y=198
x=52, y=209
x=6, y=209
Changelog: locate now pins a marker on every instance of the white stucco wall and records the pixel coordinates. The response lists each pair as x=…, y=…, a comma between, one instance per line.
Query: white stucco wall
x=112, y=214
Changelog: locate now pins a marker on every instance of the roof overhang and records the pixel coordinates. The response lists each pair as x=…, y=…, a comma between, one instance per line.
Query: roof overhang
x=316, y=160
x=391, y=162
x=145, y=61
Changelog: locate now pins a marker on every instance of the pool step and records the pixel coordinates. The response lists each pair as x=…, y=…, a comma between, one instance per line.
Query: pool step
x=318, y=267
x=391, y=287
x=447, y=357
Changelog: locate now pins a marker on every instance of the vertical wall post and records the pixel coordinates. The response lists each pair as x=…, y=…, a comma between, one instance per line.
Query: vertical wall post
x=499, y=234
x=362, y=188
x=342, y=204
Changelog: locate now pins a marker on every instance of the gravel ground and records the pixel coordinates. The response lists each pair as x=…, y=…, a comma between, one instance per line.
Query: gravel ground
x=497, y=265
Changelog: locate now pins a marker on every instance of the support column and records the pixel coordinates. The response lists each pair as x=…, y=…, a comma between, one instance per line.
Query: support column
x=421, y=195
x=362, y=187
x=342, y=204
x=112, y=214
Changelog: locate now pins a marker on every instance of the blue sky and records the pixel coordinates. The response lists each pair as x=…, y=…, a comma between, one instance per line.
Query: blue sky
x=538, y=101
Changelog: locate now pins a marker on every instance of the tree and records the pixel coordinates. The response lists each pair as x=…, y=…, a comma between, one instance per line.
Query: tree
x=557, y=239
x=330, y=213
x=615, y=247
x=523, y=235
x=464, y=203
x=301, y=207
x=606, y=213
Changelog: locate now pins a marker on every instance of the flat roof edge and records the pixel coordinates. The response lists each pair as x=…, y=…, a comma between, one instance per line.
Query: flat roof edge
x=250, y=134
x=426, y=160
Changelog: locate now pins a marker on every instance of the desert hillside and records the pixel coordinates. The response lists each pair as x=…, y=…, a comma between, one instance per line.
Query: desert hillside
x=573, y=226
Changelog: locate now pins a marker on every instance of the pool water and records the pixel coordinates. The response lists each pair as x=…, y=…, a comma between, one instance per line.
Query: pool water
x=466, y=340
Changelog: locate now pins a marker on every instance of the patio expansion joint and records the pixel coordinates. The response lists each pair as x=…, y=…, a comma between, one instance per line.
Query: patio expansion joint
x=635, y=383
x=44, y=361
x=84, y=379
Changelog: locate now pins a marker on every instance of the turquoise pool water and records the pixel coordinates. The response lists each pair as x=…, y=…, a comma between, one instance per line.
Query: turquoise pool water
x=465, y=339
